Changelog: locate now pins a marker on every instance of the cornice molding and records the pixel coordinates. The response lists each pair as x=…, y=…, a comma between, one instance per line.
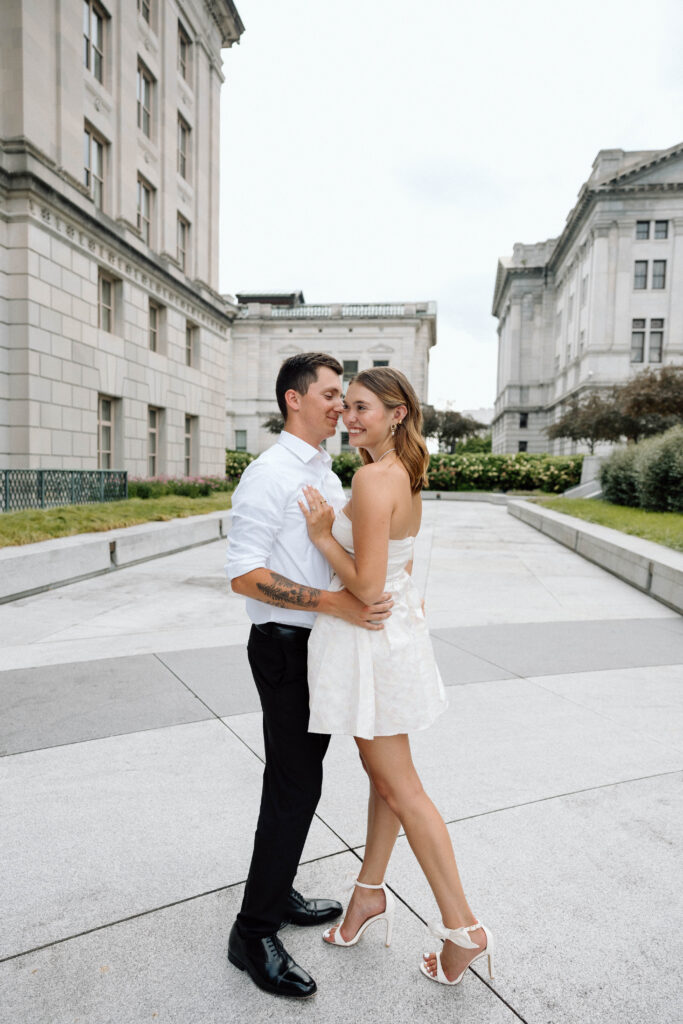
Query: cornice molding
x=97, y=241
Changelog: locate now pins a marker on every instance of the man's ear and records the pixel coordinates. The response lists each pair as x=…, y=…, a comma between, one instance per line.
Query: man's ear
x=293, y=399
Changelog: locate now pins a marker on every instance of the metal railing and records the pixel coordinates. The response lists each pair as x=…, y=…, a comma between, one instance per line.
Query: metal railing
x=49, y=488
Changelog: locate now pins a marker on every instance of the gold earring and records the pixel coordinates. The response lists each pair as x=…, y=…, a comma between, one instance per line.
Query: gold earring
x=393, y=429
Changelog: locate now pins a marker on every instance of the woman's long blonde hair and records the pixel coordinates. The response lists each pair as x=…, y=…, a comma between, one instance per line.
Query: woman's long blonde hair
x=393, y=389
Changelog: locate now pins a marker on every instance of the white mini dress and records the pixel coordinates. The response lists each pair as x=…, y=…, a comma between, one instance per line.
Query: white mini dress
x=371, y=683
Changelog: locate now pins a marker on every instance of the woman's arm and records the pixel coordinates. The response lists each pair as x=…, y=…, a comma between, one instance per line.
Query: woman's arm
x=364, y=575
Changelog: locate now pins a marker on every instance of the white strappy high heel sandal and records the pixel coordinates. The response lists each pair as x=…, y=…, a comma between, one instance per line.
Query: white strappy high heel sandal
x=460, y=937
x=386, y=915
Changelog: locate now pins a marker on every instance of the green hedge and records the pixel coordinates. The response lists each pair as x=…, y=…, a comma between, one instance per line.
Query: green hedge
x=647, y=475
x=470, y=472
x=485, y=472
x=618, y=477
x=236, y=463
x=521, y=472
x=189, y=487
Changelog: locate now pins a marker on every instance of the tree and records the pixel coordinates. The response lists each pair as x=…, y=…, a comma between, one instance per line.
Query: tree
x=653, y=400
x=274, y=424
x=430, y=421
x=453, y=426
x=595, y=417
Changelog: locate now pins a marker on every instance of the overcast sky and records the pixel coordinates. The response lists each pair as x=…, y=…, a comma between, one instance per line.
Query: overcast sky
x=387, y=150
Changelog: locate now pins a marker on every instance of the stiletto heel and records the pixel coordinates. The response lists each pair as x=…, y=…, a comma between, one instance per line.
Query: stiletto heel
x=386, y=915
x=460, y=937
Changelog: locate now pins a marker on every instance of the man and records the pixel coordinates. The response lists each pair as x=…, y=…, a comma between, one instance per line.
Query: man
x=272, y=562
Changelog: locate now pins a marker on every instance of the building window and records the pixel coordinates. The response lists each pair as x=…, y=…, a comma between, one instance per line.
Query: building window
x=350, y=369
x=190, y=344
x=345, y=446
x=183, y=53
x=380, y=362
x=637, y=341
x=153, y=435
x=183, y=241
x=240, y=440
x=570, y=309
x=93, y=165
x=93, y=38
x=522, y=446
x=154, y=324
x=183, y=148
x=642, y=229
x=584, y=289
x=106, y=308
x=145, y=84
x=582, y=341
x=144, y=209
x=656, y=341
x=145, y=9
x=105, y=432
x=659, y=273
x=190, y=438
x=661, y=229
x=524, y=420
x=640, y=274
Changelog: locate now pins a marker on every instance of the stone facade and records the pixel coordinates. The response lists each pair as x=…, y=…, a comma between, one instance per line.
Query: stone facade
x=591, y=308
x=114, y=339
x=359, y=336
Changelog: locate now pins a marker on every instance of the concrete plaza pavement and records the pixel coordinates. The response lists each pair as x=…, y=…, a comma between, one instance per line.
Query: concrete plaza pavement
x=131, y=771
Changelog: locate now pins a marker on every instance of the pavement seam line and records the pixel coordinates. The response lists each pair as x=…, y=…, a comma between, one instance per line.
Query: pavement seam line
x=224, y=888
x=600, y=714
x=562, y=796
x=487, y=661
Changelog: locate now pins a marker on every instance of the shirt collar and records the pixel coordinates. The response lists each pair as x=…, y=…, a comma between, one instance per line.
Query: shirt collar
x=302, y=449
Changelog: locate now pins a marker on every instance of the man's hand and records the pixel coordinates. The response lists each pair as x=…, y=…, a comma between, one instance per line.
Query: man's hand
x=343, y=605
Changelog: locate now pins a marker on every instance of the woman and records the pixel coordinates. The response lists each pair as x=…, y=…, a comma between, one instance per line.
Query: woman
x=378, y=686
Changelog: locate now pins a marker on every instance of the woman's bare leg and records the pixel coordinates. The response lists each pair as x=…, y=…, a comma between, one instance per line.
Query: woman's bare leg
x=389, y=763
x=383, y=828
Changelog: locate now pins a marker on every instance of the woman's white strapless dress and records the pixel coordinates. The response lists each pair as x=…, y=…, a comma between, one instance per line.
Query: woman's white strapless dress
x=371, y=683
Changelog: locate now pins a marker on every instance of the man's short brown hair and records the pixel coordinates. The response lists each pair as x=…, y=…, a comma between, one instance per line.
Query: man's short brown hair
x=298, y=373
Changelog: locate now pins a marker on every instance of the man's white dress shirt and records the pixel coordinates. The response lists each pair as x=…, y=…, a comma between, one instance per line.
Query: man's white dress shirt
x=268, y=528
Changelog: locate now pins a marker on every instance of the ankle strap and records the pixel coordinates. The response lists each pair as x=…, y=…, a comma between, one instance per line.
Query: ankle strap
x=364, y=885
x=457, y=935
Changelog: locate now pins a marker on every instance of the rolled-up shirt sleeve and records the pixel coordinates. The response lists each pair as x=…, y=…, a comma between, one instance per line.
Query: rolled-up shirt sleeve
x=257, y=508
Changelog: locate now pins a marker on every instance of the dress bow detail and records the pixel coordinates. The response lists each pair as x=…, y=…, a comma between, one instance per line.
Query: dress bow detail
x=457, y=935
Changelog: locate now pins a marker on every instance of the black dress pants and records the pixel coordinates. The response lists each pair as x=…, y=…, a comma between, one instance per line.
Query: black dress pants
x=292, y=778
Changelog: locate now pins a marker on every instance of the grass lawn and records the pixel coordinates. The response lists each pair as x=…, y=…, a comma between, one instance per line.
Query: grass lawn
x=32, y=525
x=662, y=527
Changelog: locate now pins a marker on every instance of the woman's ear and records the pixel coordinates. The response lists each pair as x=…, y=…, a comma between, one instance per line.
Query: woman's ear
x=400, y=413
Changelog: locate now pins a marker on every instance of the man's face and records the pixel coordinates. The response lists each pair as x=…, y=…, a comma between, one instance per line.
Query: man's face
x=321, y=406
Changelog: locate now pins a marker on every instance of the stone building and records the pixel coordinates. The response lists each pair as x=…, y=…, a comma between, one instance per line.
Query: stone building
x=113, y=337
x=269, y=327
x=592, y=307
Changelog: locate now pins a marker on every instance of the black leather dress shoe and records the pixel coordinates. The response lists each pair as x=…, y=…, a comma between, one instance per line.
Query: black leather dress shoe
x=302, y=911
x=269, y=965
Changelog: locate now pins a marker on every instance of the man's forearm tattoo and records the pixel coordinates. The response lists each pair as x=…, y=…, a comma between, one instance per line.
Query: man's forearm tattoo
x=284, y=594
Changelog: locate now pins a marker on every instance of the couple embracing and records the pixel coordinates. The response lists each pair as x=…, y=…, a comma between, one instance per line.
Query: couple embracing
x=339, y=644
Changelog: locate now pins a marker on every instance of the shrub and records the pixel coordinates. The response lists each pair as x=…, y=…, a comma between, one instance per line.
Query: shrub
x=658, y=467
x=476, y=443
x=345, y=465
x=189, y=487
x=618, y=477
x=521, y=472
x=236, y=463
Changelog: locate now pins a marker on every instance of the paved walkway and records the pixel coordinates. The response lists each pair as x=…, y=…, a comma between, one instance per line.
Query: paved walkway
x=132, y=769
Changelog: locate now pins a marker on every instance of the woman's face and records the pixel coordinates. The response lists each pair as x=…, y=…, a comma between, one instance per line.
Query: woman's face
x=365, y=417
